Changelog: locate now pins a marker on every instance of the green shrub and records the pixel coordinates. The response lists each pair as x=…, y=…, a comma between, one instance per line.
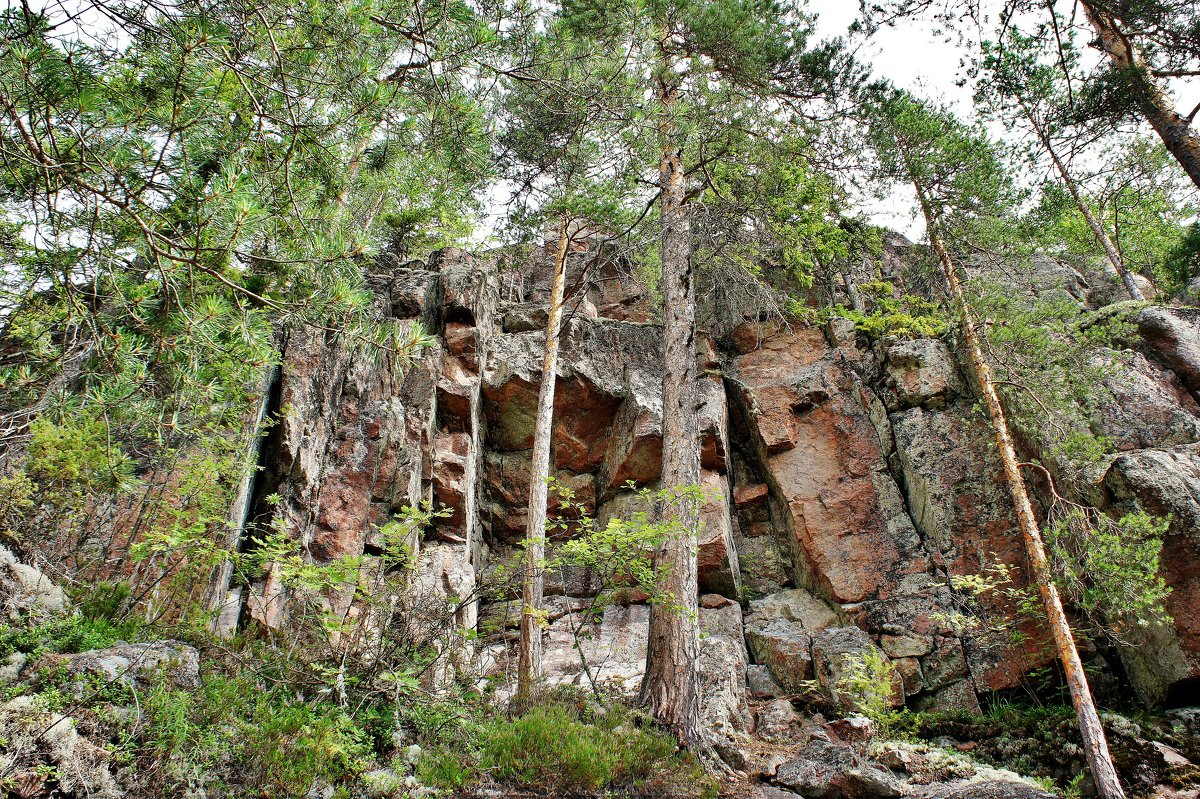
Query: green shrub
x=906, y=316
x=866, y=683
x=103, y=601
x=289, y=746
x=266, y=740
x=439, y=767
x=66, y=635
x=548, y=747
x=563, y=747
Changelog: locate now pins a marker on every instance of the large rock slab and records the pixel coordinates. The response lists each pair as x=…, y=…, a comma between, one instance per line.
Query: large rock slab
x=921, y=372
x=958, y=498
x=779, y=632
x=1172, y=337
x=837, y=654
x=147, y=665
x=811, y=423
x=1166, y=482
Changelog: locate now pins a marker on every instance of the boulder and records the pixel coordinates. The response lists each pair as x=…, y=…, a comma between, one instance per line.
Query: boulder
x=524, y=318
x=957, y=496
x=1172, y=337
x=25, y=592
x=611, y=652
x=835, y=653
x=794, y=605
x=760, y=683
x=777, y=719
x=145, y=665
x=1165, y=482
x=857, y=732
x=784, y=648
x=453, y=475
x=717, y=556
x=922, y=372
x=826, y=770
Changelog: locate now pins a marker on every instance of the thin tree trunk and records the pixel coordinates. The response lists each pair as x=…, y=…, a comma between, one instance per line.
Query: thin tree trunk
x=671, y=686
x=1094, y=743
x=529, y=668
x=1098, y=231
x=1152, y=99
x=852, y=292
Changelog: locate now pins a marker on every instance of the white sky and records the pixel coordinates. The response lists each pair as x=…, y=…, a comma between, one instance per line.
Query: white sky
x=913, y=57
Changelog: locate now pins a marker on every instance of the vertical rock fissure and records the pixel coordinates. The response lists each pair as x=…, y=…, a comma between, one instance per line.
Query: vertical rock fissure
x=739, y=398
x=221, y=602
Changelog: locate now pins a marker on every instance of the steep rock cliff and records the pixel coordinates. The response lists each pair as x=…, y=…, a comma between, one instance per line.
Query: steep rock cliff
x=848, y=481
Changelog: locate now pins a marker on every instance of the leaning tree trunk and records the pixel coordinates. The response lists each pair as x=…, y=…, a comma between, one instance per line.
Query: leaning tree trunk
x=1152, y=99
x=671, y=686
x=1094, y=743
x=1101, y=236
x=529, y=668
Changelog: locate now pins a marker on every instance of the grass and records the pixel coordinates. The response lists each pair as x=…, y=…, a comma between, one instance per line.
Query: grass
x=263, y=724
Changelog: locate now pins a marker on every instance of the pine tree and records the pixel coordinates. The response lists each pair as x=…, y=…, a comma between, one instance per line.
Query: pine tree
x=703, y=58
x=561, y=148
x=1147, y=43
x=1024, y=92
x=957, y=180
x=183, y=174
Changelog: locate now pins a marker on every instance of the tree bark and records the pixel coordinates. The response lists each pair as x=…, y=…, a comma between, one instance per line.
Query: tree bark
x=529, y=667
x=1110, y=250
x=1095, y=745
x=671, y=686
x=1153, y=101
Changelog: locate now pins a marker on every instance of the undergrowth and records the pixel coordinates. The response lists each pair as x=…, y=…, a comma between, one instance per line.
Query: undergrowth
x=257, y=726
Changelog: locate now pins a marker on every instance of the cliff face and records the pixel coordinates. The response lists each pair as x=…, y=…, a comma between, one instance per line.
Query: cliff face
x=848, y=482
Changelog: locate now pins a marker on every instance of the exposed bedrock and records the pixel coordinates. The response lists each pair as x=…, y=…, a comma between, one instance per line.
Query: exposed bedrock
x=847, y=483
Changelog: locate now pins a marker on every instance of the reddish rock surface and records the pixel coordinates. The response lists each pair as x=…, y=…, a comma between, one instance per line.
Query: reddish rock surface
x=856, y=471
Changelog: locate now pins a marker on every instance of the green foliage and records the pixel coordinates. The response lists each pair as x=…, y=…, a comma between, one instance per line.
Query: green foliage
x=66, y=635
x=268, y=739
x=964, y=188
x=886, y=315
x=1182, y=263
x=866, y=682
x=1109, y=569
x=1052, y=365
x=217, y=174
x=569, y=748
x=621, y=551
x=16, y=501
x=770, y=208
x=1142, y=203
x=79, y=451
x=104, y=601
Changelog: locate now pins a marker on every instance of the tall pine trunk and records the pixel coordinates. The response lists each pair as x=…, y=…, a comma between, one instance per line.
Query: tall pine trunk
x=671, y=686
x=1152, y=99
x=1101, y=236
x=529, y=667
x=1095, y=745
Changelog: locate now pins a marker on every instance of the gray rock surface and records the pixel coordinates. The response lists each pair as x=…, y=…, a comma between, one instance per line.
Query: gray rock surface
x=25, y=592
x=148, y=664
x=826, y=770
